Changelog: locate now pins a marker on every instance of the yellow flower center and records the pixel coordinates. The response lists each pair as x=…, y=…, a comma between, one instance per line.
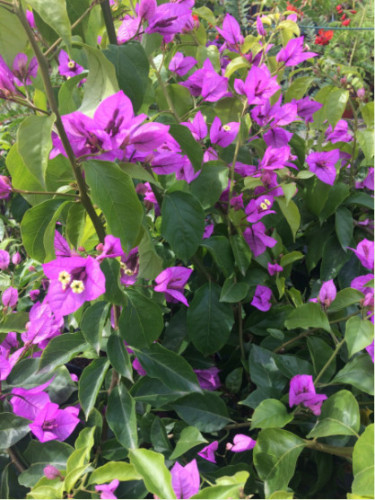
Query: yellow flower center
x=263, y=206
x=267, y=202
x=77, y=286
x=126, y=269
x=71, y=64
x=226, y=128
x=64, y=278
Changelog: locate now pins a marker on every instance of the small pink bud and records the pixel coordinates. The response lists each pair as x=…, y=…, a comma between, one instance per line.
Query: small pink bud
x=361, y=93
x=81, y=249
x=51, y=472
x=9, y=297
x=32, y=269
x=100, y=247
x=16, y=259
x=33, y=294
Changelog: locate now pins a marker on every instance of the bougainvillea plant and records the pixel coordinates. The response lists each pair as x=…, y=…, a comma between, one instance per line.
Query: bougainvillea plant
x=186, y=256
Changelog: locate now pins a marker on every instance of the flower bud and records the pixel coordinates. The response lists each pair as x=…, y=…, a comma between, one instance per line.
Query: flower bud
x=33, y=294
x=16, y=258
x=5, y=187
x=361, y=93
x=32, y=269
x=51, y=472
x=4, y=260
x=9, y=297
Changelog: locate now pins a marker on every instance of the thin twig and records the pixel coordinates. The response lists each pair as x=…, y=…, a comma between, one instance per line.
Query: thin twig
x=15, y=461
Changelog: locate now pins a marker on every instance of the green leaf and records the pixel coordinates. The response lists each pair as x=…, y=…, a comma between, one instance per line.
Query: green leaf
x=150, y=465
x=207, y=412
x=150, y=264
x=337, y=194
x=169, y=367
x=49, y=234
x=320, y=353
x=70, y=96
x=14, y=322
x=291, y=213
x=308, y=315
x=345, y=298
x=114, y=470
x=270, y=413
x=298, y=88
x=40, y=455
x=180, y=97
x=275, y=458
x=362, y=199
x=141, y=321
x=132, y=67
x=366, y=142
x=90, y=383
x=119, y=357
x=236, y=64
x=114, y=193
x=280, y=494
x=183, y=223
x=22, y=178
x=263, y=369
x=55, y=15
x=34, y=225
x=209, y=321
x=233, y=292
x=101, y=81
x=316, y=195
x=25, y=374
x=333, y=259
x=92, y=323
x=189, y=437
x=220, y=249
x=13, y=37
x=358, y=372
x=213, y=174
x=62, y=349
x=344, y=226
x=188, y=144
x=121, y=416
x=113, y=288
x=363, y=464
x=154, y=392
x=136, y=171
x=220, y=491
x=291, y=257
x=12, y=429
x=339, y=417
x=334, y=102
x=241, y=252
x=358, y=334
x=35, y=143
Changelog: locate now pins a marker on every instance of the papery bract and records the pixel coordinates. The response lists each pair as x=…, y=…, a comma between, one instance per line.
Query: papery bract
x=262, y=297
x=9, y=297
x=53, y=423
x=171, y=282
x=365, y=253
x=302, y=391
x=255, y=236
x=323, y=165
x=293, y=53
x=185, y=479
x=241, y=442
x=107, y=490
x=208, y=378
x=208, y=452
x=327, y=293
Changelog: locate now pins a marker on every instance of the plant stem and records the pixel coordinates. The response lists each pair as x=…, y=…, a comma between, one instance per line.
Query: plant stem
x=107, y=14
x=240, y=332
x=74, y=25
x=22, y=191
x=237, y=426
x=345, y=452
x=294, y=339
x=332, y=357
x=164, y=90
x=86, y=201
x=15, y=461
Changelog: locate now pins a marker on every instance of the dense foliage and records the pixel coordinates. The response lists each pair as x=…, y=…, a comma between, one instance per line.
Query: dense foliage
x=186, y=250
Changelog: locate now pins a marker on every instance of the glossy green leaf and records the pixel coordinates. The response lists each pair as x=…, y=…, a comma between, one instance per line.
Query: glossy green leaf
x=280, y=494
x=291, y=213
x=25, y=374
x=35, y=143
x=308, y=315
x=207, y=412
x=132, y=67
x=154, y=392
x=366, y=141
x=169, y=367
x=141, y=321
x=12, y=429
x=14, y=322
x=114, y=193
x=334, y=102
x=92, y=323
x=337, y=195
x=55, y=15
x=49, y=233
x=236, y=64
x=320, y=353
x=213, y=174
x=233, y=292
x=220, y=491
x=363, y=464
x=275, y=458
x=180, y=97
x=13, y=38
x=290, y=365
x=220, y=249
x=150, y=465
x=119, y=357
x=358, y=372
x=101, y=81
x=345, y=298
x=113, y=288
x=189, y=438
x=122, y=471
x=270, y=413
x=34, y=225
x=188, y=144
x=121, y=416
x=150, y=264
x=209, y=321
x=90, y=383
x=344, y=226
x=291, y=257
x=183, y=223
x=62, y=349
x=70, y=96
x=263, y=369
x=241, y=252
x=359, y=333
x=39, y=455
x=339, y=416
x=298, y=88
x=333, y=259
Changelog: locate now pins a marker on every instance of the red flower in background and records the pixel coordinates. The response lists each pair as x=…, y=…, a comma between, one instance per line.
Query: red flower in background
x=323, y=37
x=346, y=22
